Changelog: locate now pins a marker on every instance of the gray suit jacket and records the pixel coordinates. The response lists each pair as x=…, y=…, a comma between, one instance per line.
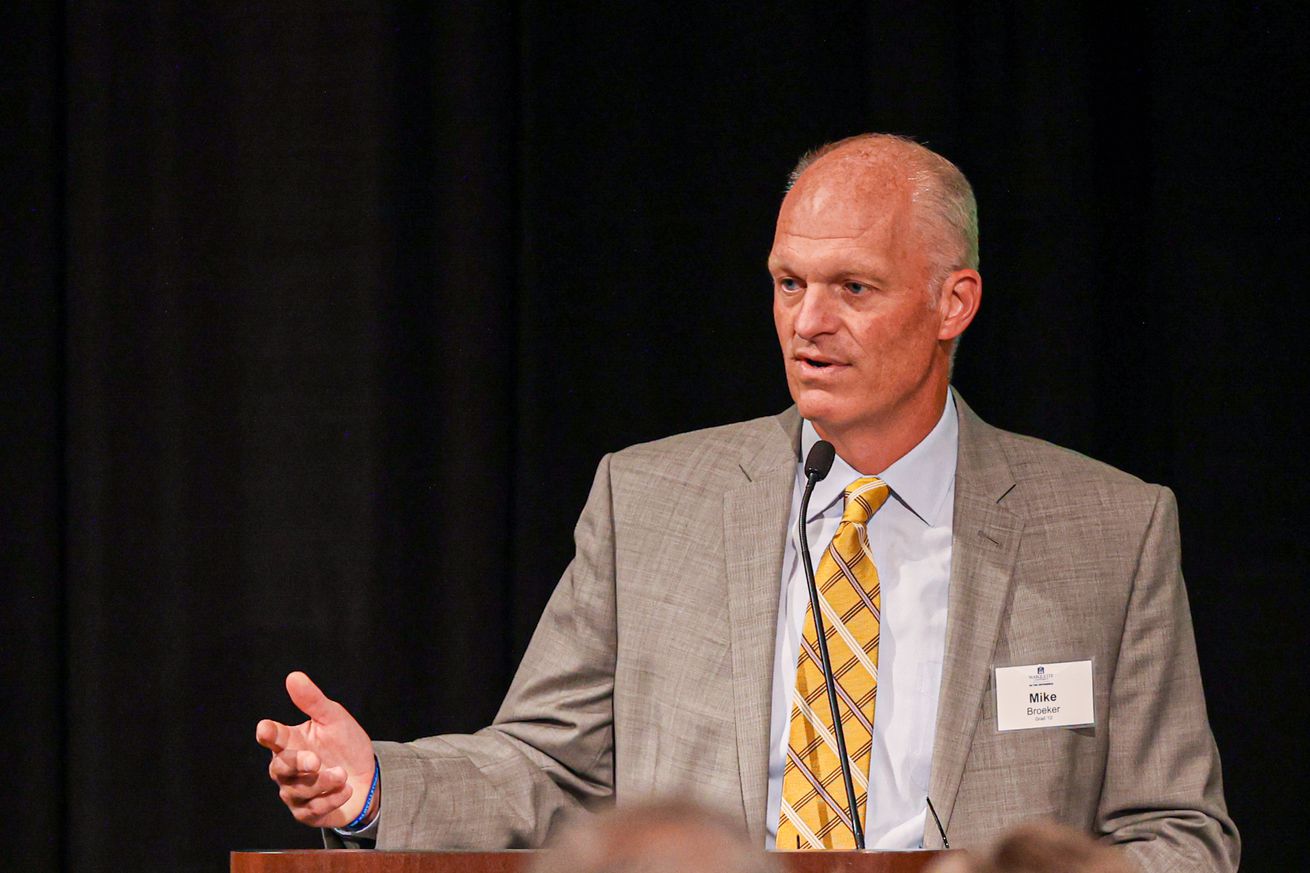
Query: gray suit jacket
x=650, y=672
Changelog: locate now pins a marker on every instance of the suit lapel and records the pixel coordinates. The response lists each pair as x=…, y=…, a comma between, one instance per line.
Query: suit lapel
x=754, y=530
x=985, y=542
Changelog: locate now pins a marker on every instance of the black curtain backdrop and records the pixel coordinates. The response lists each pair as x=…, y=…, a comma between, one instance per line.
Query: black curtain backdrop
x=318, y=317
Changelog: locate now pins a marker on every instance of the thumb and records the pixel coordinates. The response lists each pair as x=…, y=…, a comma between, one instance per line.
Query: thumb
x=309, y=699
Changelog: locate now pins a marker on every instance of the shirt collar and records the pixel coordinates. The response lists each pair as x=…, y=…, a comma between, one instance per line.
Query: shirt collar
x=921, y=479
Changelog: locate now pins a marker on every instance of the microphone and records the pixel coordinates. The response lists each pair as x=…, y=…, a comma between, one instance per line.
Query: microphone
x=817, y=464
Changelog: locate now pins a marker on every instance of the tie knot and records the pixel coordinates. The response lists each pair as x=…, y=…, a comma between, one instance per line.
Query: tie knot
x=863, y=497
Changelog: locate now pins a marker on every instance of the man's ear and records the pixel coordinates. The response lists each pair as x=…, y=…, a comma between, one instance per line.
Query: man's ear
x=961, y=295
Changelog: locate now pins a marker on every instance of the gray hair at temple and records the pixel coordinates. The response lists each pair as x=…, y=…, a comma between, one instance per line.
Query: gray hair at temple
x=659, y=837
x=946, y=208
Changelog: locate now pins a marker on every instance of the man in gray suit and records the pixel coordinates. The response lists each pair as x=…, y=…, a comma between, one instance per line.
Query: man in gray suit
x=665, y=663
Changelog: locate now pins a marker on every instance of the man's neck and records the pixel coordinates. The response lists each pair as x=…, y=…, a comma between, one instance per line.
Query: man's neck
x=870, y=449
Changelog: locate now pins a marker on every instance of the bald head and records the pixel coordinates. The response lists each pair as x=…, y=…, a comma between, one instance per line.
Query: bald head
x=893, y=168
x=656, y=837
x=1039, y=847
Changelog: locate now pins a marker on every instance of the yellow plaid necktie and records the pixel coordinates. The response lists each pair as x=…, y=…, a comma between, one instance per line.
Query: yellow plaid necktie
x=814, y=811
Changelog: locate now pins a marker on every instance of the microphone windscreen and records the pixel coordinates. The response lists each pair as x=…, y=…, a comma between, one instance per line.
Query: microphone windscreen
x=819, y=461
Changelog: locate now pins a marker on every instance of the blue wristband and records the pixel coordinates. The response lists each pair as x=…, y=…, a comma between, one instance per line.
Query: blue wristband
x=368, y=801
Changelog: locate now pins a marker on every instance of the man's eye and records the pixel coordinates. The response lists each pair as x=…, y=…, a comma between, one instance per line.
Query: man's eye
x=789, y=284
x=856, y=287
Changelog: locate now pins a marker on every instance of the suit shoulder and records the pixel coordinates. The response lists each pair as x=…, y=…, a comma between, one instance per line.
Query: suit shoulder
x=702, y=452
x=1041, y=468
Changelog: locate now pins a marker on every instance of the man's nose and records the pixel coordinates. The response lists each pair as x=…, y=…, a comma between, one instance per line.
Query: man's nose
x=817, y=313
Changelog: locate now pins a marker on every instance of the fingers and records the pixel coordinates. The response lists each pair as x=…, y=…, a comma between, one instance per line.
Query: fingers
x=324, y=810
x=309, y=699
x=316, y=799
x=295, y=764
x=300, y=776
x=273, y=735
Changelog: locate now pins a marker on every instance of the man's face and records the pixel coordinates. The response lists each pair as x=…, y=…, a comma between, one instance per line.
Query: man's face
x=852, y=303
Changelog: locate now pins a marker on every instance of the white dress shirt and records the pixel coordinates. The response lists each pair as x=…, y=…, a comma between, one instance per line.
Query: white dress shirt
x=911, y=541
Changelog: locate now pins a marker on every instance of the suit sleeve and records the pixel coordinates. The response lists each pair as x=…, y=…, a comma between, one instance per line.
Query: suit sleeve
x=1163, y=791
x=550, y=750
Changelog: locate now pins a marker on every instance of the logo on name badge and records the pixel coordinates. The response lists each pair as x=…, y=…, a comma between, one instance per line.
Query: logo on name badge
x=1041, y=677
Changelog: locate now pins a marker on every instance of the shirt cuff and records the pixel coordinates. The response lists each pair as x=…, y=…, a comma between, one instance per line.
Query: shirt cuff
x=369, y=832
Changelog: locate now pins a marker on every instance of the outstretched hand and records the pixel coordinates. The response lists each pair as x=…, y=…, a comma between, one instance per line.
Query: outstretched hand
x=323, y=767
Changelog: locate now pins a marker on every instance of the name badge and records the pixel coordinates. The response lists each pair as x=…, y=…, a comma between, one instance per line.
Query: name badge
x=1044, y=695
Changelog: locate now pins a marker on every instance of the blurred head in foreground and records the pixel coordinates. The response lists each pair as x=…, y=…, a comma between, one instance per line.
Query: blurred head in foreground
x=659, y=837
x=1040, y=847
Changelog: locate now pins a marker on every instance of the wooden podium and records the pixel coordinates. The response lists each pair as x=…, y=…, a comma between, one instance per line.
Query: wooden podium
x=368, y=861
